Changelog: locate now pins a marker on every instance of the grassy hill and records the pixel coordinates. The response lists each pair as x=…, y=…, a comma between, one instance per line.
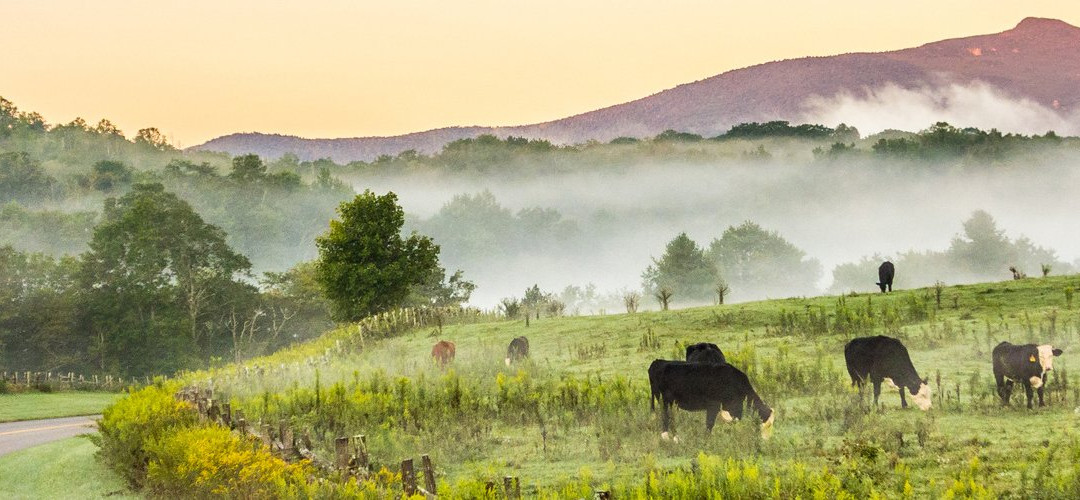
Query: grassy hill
x=577, y=413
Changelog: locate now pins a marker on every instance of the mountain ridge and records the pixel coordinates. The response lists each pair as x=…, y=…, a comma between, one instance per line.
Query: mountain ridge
x=1022, y=63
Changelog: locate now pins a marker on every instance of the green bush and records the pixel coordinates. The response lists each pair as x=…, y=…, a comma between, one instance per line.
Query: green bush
x=128, y=425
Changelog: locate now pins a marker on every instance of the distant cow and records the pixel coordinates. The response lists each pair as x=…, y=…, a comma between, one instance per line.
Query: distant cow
x=718, y=389
x=883, y=358
x=705, y=352
x=885, y=273
x=443, y=352
x=1026, y=364
x=517, y=350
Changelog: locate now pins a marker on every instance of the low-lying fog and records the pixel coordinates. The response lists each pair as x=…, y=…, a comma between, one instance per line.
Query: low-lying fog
x=835, y=212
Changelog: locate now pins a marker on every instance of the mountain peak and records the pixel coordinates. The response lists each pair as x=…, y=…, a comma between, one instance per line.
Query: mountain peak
x=1044, y=25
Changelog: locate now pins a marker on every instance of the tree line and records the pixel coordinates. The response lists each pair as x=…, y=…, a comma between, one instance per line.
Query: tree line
x=160, y=290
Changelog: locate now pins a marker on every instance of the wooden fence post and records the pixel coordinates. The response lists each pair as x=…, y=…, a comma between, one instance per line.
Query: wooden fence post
x=429, y=474
x=512, y=486
x=408, y=477
x=360, y=450
x=341, y=447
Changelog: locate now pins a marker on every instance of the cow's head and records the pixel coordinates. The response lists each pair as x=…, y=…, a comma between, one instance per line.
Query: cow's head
x=767, y=425
x=881, y=286
x=922, y=397
x=1046, y=356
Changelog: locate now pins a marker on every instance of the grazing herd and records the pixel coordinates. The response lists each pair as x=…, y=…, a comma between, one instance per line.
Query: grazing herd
x=706, y=382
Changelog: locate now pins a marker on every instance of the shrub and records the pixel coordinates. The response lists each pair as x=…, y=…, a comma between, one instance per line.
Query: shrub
x=203, y=462
x=143, y=416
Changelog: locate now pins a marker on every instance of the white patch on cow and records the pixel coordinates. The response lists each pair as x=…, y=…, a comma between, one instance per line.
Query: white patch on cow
x=507, y=361
x=1046, y=357
x=665, y=436
x=726, y=416
x=767, y=426
x=1036, y=382
x=888, y=381
x=922, y=398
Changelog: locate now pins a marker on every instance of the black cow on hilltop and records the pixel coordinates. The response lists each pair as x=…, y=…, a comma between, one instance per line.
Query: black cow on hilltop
x=885, y=273
x=1026, y=364
x=705, y=352
x=717, y=389
x=517, y=350
x=881, y=358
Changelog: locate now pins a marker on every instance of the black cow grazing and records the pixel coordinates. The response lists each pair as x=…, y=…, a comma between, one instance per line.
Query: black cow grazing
x=705, y=352
x=1026, y=364
x=517, y=350
x=881, y=359
x=885, y=273
x=718, y=389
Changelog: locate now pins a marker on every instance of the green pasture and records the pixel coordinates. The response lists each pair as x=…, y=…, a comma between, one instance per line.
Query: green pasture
x=578, y=410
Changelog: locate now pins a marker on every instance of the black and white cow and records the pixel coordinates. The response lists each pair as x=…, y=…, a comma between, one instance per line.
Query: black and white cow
x=718, y=389
x=1026, y=364
x=517, y=350
x=881, y=358
x=705, y=352
x=885, y=273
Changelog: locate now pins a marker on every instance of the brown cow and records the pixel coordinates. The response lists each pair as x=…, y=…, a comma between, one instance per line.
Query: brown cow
x=443, y=352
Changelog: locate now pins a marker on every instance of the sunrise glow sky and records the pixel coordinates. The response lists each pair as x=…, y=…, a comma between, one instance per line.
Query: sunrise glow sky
x=200, y=69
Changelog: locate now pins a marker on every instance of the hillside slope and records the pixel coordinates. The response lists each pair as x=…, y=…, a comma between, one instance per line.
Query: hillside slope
x=581, y=403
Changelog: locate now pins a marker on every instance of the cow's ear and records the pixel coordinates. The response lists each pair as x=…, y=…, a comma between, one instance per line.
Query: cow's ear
x=926, y=380
x=1057, y=352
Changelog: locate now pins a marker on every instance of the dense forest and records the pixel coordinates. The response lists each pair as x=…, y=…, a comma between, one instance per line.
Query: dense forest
x=131, y=256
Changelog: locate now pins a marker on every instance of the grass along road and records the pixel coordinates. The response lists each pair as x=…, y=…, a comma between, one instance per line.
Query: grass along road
x=59, y=470
x=36, y=405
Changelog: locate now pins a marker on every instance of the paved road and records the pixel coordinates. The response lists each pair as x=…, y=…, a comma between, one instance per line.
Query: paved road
x=18, y=435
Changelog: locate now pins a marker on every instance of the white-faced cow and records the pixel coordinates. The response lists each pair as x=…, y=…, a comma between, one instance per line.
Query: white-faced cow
x=884, y=359
x=705, y=352
x=718, y=389
x=885, y=273
x=1026, y=364
x=517, y=350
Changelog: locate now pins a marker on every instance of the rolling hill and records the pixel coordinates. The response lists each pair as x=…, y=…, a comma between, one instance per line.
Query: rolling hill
x=1034, y=61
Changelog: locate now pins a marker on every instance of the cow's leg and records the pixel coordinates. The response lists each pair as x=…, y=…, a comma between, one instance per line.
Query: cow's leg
x=710, y=417
x=903, y=400
x=1040, y=391
x=1000, y=379
x=877, y=391
x=1029, y=391
x=1008, y=391
x=665, y=415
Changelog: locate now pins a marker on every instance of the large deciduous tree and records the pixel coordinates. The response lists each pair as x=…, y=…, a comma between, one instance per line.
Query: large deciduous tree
x=153, y=272
x=365, y=266
x=759, y=263
x=683, y=270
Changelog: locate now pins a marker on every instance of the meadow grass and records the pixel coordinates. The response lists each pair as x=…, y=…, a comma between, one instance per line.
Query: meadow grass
x=36, y=405
x=57, y=470
x=579, y=407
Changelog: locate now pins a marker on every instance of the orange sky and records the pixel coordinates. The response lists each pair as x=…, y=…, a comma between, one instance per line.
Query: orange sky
x=199, y=69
